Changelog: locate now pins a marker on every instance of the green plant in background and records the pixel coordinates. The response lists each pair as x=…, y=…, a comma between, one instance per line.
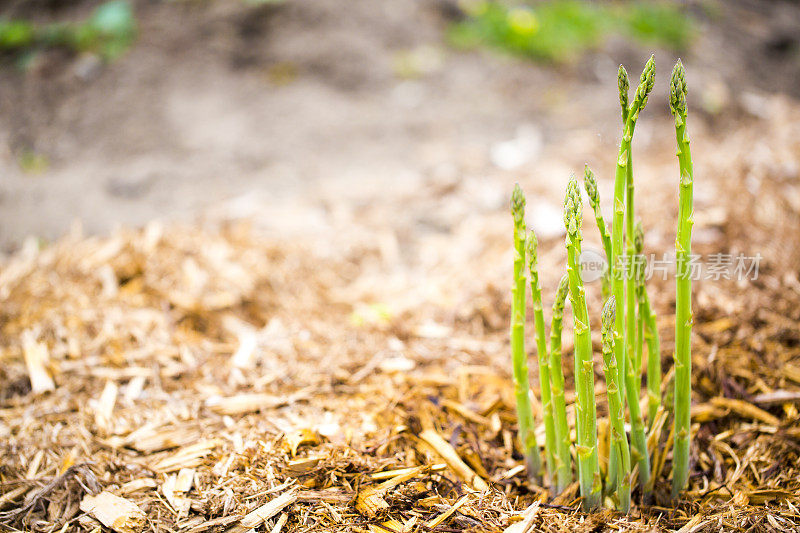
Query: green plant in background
x=519, y=358
x=585, y=409
x=553, y=31
x=108, y=32
x=544, y=359
x=683, y=299
x=659, y=23
x=563, y=460
x=560, y=30
x=616, y=412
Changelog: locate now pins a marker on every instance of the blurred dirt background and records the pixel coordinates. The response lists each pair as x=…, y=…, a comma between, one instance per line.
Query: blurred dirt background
x=319, y=283
x=282, y=108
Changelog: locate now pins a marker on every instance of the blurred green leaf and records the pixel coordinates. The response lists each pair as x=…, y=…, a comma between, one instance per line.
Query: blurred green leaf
x=108, y=32
x=560, y=30
x=659, y=23
x=15, y=33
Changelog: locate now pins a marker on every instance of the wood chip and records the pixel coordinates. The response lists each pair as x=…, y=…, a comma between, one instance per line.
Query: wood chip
x=249, y=403
x=451, y=457
x=36, y=359
x=105, y=405
x=526, y=524
x=447, y=514
x=777, y=397
x=255, y=518
x=370, y=502
x=188, y=457
x=136, y=485
x=280, y=523
x=388, y=474
x=114, y=512
x=746, y=410
x=215, y=523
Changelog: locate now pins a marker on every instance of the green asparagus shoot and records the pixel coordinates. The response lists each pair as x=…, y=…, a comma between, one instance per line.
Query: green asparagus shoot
x=683, y=299
x=544, y=360
x=635, y=369
x=585, y=408
x=628, y=325
x=616, y=411
x=519, y=359
x=650, y=334
x=624, y=84
x=622, y=350
x=590, y=183
x=563, y=475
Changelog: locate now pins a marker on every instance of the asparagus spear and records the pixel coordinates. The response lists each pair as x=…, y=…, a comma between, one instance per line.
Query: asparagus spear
x=683, y=300
x=616, y=412
x=518, y=357
x=563, y=469
x=586, y=415
x=590, y=183
x=624, y=85
x=638, y=275
x=544, y=360
x=620, y=177
x=650, y=333
x=653, y=360
x=639, y=447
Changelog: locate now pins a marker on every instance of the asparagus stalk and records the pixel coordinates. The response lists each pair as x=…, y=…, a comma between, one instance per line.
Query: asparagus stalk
x=638, y=274
x=683, y=300
x=632, y=338
x=586, y=415
x=650, y=333
x=563, y=475
x=653, y=360
x=617, y=217
x=623, y=355
x=518, y=357
x=590, y=183
x=616, y=412
x=544, y=360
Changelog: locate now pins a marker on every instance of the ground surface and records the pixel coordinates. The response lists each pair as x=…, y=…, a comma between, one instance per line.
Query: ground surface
x=363, y=308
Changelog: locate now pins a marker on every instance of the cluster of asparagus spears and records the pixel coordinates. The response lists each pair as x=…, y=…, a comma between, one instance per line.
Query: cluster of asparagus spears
x=628, y=323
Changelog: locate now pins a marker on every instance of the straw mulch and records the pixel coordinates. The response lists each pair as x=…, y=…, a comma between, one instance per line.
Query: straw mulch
x=188, y=379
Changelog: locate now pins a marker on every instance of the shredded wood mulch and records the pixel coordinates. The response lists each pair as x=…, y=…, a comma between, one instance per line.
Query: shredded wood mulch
x=190, y=379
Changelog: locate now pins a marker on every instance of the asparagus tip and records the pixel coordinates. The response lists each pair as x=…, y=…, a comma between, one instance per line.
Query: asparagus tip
x=572, y=206
x=532, y=245
x=646, y=82
x=561, y=292
x=609, y=313
x=638, y=237
x=518, y=204
x=590, y=183
x=624, y=85
x=677, y=86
